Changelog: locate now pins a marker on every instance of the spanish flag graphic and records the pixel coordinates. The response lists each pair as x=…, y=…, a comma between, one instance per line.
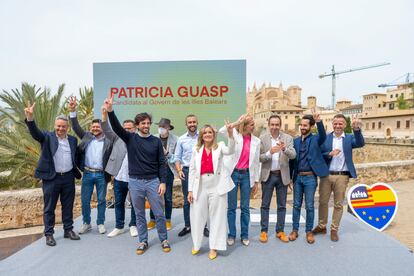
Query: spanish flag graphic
x=375, y=205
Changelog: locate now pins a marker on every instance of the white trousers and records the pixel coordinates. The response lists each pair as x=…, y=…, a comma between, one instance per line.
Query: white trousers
x=209, y=206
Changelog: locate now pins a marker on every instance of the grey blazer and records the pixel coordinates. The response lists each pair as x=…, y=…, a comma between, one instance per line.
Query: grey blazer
x=119, y=150
x=171, y=144
x=289, y=153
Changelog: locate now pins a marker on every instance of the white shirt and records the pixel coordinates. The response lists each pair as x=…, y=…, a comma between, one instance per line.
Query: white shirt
x=275, y=156
x=63, y=158
x=123, y=171
x=338, y=162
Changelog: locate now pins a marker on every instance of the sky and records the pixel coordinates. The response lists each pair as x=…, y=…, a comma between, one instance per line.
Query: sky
x=52, y=42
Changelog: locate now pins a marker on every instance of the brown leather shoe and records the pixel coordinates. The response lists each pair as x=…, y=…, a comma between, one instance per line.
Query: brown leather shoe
x=309, y=237
x=319, y=230
x=334, y=235
x=282, y=236
x=293, y=235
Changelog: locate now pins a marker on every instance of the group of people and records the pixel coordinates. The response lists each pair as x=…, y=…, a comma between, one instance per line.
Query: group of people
x=213, y=175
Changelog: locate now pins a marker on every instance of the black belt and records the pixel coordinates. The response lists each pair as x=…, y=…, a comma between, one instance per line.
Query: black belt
x=339, y=173
x=275, y=172
x=63, y=173
x=246, y=170
x=306, y=173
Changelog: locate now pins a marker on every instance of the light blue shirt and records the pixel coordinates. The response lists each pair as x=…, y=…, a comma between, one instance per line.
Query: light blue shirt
x=63, y=156
x=184, y=148
x=94, y=154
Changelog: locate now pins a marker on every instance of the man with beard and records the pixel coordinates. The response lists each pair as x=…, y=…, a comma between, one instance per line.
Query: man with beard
x=147, y=174
x=182, y=155
x=308, y=164
x=95, y=149
x=57, y=170
x=337, y=151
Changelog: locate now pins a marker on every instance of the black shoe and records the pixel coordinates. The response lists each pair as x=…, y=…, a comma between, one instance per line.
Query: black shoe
x=50, y=240
x=184, y=232
x=206, y=232
x=70, y=234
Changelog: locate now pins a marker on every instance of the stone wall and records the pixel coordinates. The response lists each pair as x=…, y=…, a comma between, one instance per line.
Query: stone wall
x=379, y=152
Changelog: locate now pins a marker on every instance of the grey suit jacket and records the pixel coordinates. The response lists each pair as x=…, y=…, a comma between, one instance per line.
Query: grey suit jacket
x=118, y=153
x=171, y=144
x=289, y=153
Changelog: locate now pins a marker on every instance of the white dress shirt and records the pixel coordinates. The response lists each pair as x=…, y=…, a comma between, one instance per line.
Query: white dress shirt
x=123, y=174
x=338, y=162
x=275, y=156
x=63, y=157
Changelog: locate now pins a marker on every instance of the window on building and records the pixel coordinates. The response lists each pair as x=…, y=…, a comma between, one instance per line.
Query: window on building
x=391, y=96
x=286, y=127
x=379, y=125
x=407, y=124
x=367, y=126
x=398, y=124
x=373, y=125
x=391, y=106
x=286, y=117
x=379, y=106
x=384, y=104
x=396, y=95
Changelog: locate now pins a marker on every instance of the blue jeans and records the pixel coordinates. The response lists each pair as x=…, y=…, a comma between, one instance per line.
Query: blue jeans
x=167, y=196
x=121, y=192
x=147, y=188
x=88, y=181
x=242, y=180
x=273, y=182
x=304, y=185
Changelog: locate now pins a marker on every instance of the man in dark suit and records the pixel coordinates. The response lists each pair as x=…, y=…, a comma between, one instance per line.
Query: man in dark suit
x=94, y=150
x=57, y=170
x=337, y=151
x=309, y=164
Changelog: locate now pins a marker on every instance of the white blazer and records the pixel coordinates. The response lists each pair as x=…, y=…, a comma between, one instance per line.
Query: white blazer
x=254, y=158
x=223, y=178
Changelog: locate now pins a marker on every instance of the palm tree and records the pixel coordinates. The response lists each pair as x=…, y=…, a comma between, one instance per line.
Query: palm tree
x=19, y=152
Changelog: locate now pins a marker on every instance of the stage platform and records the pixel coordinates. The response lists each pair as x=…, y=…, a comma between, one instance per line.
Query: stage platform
x=360, y=251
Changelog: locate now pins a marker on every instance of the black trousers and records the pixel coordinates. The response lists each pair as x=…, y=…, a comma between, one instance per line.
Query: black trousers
x=62, y=186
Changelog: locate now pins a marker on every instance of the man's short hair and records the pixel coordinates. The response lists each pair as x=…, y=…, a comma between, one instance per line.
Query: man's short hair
x=274, y=116
x=339, y=116
x=96, y=121
x=189, y=116
x=142, y=117
x=129, y=121
x=61, y=117
x=310, y=118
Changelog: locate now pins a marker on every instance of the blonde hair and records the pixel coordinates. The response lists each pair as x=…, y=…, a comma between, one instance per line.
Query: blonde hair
x=242, y=126
x=200, y=141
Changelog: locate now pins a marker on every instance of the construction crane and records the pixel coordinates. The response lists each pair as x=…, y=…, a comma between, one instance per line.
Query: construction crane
x=408, y=78
x=335, y=73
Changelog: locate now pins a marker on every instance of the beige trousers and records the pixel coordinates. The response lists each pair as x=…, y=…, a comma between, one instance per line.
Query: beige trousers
x=209, y=206
x=337, y=185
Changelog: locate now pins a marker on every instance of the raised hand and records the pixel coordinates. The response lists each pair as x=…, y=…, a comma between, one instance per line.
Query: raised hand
x=29, y=110
x=355, y=121
x=229, y=127
x=316, y=115
x=72, y=103
x=104, y=114
x=108, y=103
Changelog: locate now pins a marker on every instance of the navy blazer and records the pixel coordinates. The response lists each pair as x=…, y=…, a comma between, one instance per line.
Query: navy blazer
x=350, y=142
x=49, y=143
x=315, y=157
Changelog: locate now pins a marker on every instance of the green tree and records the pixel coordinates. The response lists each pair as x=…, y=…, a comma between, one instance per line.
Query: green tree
x=348, y=128
x=19, y=152
x=401, y=102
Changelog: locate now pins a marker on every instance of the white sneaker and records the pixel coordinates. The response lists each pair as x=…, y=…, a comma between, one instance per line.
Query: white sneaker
x=85, y=228
x=116, y=232
x=245, y=242
x=133, y=231
x=101, y=229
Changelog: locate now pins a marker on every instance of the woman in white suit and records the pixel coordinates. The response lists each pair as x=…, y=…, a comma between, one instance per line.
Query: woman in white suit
x=208, y=186
x=244, y=167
